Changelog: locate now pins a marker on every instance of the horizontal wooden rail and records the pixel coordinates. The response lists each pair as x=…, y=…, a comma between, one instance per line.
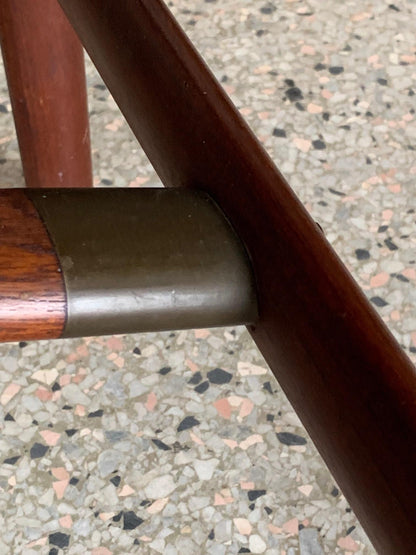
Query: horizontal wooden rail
x=32, y=291
x=77, y=262
x=344, y=373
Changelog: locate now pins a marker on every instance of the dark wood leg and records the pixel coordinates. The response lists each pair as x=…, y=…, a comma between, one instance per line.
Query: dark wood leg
x=45, y=72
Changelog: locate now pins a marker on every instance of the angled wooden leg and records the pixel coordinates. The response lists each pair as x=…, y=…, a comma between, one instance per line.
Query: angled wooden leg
x=45, y=72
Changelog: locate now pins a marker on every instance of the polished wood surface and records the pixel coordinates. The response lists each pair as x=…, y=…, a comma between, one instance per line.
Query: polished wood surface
x=45, y=72
x=346, y=376
x=32, y=294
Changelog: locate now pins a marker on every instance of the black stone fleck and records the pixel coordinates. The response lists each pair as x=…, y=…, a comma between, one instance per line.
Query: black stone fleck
x=378, y=301
x=188, y=422
x=96, y=414
x=279, y=132
x=287, y=438
x=335, y=70
x=382, y=228
x=300, y=106
x=56, y=387
x=270, y=418
x=38, y=450
x=211, y=535
x=319, y=67
x=294, y=94
x=290, y=82
x=22, y=344
x=402, y=278
x=362, y=254
x=268, y=8
x=67, y=407
x=390, y=245
x=59, y=539
x=325, y=116
x=53, y=551
x=117, y=517
x=137, y=351
x=219, y=376
x=11, y=460
x=136, y=541
x=335, y=492
x=252, y=506
x=115, y=480
x=145, y=503
x=35, y=422
x=9, y=418
x=350, y=529
x=74, y=481
x=334, y=192
x=319, y=144
x=268, y=510
x=196, y=378
x=244, y=550
x=165, y=370
x=394, y=8
x=161, y=445
x=254, y=494
x=106, y=181
x=131, y=520
x=267, y=387
x=71, y=432
x=202, y=387
x=382, y=81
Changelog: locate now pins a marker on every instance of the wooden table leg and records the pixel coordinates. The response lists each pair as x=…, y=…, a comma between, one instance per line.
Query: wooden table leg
x=45, y=72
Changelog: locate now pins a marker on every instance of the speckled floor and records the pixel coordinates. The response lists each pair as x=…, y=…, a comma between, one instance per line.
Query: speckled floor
x=183, y=442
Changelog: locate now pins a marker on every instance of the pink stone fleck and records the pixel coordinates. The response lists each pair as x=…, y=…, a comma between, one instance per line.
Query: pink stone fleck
x=231, y=443
x=114, y=343
x=158, y=506
x=191, y=365
x=223, y=407
x=66, y=521
x=246, y=408
x=51, y=438
x=60, y=488
x=291, y=526
x=8, y=394
x=43, y=394
x=201, y=334
x=380, y=279
x=243, y=526
x=348, y=543
x=60, y=473
x=101, y=551
x=151, y=402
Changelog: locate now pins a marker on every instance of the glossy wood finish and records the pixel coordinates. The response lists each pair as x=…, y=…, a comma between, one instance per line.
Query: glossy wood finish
x=32, y=295
x=344, y=373
x=45, y=72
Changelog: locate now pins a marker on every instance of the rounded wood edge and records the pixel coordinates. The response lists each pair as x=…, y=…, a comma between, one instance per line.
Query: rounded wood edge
x=32, y=290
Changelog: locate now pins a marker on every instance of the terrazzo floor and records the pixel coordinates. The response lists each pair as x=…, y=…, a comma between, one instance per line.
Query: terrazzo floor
x=182, y=442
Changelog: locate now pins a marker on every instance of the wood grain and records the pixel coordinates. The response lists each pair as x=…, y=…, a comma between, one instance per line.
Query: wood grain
x=32, y=294
x=346, y=376
x=45, y=72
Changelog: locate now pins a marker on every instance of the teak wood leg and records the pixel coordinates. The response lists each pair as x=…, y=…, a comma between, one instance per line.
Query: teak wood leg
x=342, y=370
x=45, y=71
